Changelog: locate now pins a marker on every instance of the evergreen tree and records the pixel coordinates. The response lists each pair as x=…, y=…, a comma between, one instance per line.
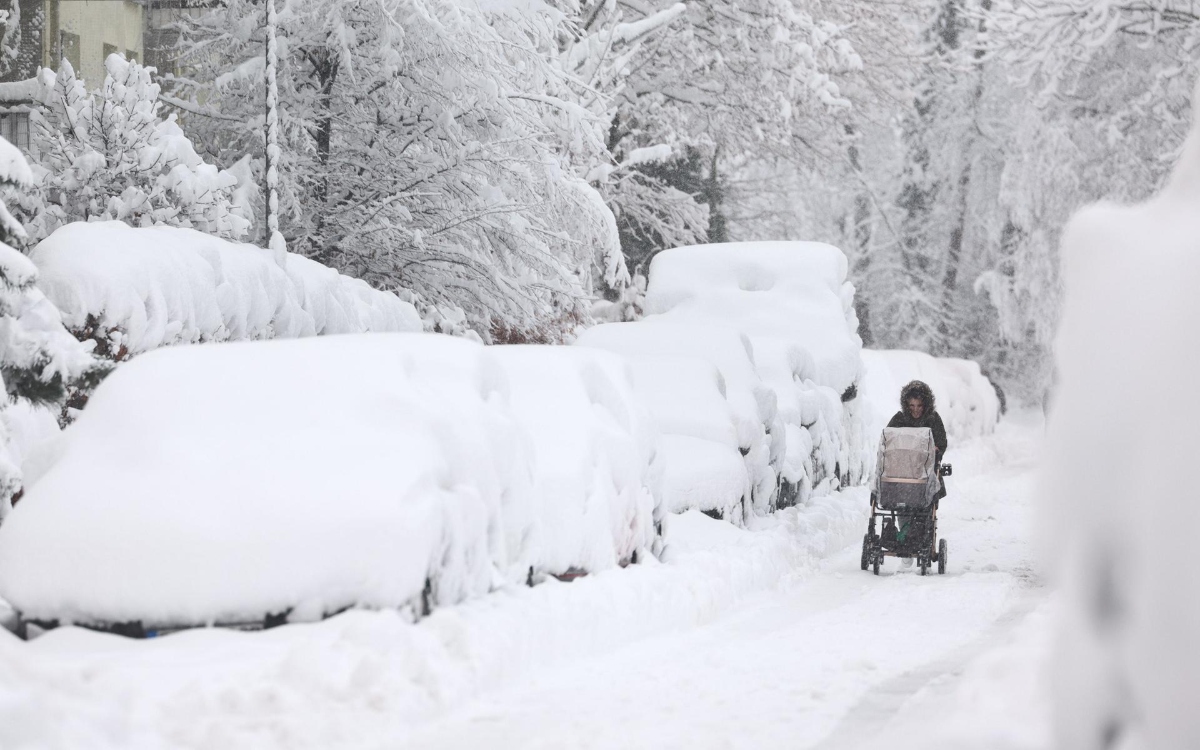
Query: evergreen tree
x=110, y=154
x=39, y=360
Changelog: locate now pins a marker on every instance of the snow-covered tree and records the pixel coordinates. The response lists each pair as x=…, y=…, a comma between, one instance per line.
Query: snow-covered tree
x=423, y=146
x=736, y=84
x=39, y=359
x=110, y=154
x=10, y=36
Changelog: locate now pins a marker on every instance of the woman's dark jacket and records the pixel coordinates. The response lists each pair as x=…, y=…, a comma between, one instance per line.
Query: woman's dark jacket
x=929, y=418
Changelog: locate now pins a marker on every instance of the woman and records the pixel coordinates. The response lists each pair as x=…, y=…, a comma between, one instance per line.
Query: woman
x=918, y=409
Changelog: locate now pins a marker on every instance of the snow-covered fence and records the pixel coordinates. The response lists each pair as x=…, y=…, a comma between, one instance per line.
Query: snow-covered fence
x=777, y=321
x=136, y=289
x=966, y=400
x=227, y=483
x=1123, y=438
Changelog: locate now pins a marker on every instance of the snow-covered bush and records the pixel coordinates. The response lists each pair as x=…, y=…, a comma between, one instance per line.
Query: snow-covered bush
x=39, y=359
x=110, y=154
x=1122, y=440
x=136, y=289
x=222, y=483
x=966, y=400
x=792, y=303
x=713, y=412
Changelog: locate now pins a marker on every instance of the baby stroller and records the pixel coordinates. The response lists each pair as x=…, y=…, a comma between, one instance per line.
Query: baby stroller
x=902, y=496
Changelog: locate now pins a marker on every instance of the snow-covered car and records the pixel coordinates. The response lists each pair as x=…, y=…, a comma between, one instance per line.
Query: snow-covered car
x=711, y=441
x=966, y=399
x=262, y=482
x=777, y=321
x=792, y=302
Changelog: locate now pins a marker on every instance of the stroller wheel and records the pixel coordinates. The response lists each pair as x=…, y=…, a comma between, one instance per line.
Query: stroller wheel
x=875, y=563
x=866, y=551
x=924, y=565
x=943, y=549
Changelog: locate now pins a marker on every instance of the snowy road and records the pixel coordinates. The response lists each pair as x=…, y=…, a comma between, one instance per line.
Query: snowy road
x=841, y=660
x=769, y=638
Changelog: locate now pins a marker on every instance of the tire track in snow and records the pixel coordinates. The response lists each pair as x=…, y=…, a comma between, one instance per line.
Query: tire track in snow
x=865, y=722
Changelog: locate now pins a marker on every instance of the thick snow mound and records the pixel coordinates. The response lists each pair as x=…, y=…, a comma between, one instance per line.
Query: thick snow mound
x=1122, y=437
x=153, y=286
x=221, y=483
x=966, y=400
x=793, y=305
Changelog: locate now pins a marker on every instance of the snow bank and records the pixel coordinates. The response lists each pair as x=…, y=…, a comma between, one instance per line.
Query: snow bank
x=793, y=304
x=221, y=483
x=1122, y=438
x=156, y=286
x=966, y=400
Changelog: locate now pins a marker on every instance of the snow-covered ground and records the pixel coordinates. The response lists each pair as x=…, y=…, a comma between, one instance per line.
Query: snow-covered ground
x=768, y=636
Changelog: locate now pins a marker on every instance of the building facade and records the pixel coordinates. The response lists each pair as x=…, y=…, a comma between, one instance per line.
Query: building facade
x=84, y=32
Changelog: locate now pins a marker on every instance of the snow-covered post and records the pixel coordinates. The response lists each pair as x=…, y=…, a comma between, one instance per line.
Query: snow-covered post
x=275, y=239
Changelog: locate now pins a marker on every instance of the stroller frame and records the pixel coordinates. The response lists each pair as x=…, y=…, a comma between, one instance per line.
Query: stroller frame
x=921, y=541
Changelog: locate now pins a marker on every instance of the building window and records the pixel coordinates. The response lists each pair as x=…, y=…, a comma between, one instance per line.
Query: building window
x=109, y=49
x=14, y=127
x=68, y=49
x=130, y=55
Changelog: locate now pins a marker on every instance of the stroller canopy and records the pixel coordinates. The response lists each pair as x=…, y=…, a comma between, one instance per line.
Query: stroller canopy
x=905, y=474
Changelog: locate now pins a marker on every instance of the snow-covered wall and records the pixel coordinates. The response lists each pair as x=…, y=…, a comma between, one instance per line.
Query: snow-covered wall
x=222, y=483
x=136, y=289
x=1123, y=437
x=966, y=400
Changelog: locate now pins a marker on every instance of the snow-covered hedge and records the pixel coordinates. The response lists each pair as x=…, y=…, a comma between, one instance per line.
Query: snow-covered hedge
x=136, y=289
x=1123, y=439
x=221, y=483
x=966, y=400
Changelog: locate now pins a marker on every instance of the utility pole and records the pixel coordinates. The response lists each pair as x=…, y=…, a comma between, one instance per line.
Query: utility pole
x=275, y=239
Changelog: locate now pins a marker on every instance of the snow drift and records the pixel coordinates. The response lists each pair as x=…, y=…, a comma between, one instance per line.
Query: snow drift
x=1122, y=437
x=966, y=400
x=136, y=289
x=222, y=483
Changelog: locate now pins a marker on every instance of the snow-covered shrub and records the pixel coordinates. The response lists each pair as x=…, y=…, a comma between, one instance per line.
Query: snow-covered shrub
x=1122, y=441
x=222, y=483
x=39, y=359
x=110, y=154
x=716, y=418
x=793, y=304
x=136, y=289
x=966, y=400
